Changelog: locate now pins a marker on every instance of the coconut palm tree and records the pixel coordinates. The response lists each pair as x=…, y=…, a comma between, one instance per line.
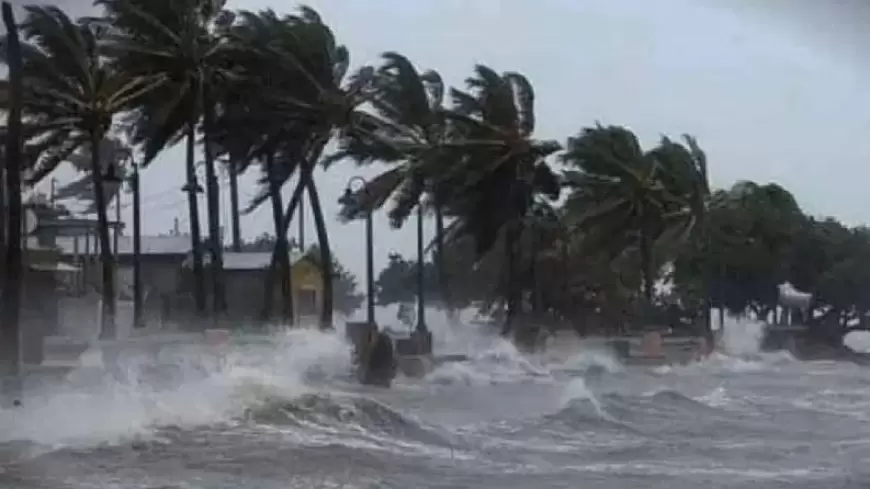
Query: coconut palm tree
x=71, y=98
x=10, y=331
x=497, y=167
x=182, y=41
x=412, y=128
x=629, y=198
x=308, y=99
x=249, y=134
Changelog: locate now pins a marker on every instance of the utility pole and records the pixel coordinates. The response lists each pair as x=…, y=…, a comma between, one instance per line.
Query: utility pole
x=137, y=249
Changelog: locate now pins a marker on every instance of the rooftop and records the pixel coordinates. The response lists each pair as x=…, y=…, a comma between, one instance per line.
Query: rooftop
x=247, y=260
x=172, y=245
x=151, y=245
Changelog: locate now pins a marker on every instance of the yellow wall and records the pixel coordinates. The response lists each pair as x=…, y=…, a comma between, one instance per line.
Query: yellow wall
x=306, y=279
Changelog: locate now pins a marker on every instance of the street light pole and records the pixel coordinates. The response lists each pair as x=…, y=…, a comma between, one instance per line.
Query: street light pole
x=421, y=274
x=370, y=268
x=351, y=198
x=137, y=249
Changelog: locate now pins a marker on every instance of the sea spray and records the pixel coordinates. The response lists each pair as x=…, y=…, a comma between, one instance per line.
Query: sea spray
x=205, y=388
x=741, y=337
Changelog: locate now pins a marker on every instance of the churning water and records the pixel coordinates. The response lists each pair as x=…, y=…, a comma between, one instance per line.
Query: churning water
x=287, y=414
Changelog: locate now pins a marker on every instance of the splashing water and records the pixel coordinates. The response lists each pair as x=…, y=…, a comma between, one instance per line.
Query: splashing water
x=284, y=412
x=187, y=385
x=741, y=337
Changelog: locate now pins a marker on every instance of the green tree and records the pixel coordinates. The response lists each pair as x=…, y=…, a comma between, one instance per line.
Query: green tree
x=629, y=198
x=496, y=170
x=396, y=283
x=752, y=230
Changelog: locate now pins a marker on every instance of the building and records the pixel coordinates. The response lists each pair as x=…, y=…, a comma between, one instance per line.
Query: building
x=246, y=274
x=47, y=277
x=167, y=281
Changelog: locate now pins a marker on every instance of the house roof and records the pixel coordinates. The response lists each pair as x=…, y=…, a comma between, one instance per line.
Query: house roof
x=72, y=226
x=54, y=267
x=175, y=245
x=151, y=245
x=246, y=260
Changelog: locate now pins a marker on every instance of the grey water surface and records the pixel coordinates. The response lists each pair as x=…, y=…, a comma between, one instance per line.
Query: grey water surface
x=287, y=415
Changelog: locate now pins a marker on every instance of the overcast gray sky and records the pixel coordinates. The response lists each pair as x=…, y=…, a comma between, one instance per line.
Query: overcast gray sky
x=777, y=92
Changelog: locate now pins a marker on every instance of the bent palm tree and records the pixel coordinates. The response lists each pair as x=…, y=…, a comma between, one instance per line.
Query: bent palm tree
x=309, y=97
x=10, y=330
x=411, y=130
x=182, y=40
x=248, y=132
x=627, y=197
x=498, y=169
x=71, y=97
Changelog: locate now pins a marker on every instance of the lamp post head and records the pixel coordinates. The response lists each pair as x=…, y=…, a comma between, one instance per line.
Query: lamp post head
x=347, y=197
x=350, y=195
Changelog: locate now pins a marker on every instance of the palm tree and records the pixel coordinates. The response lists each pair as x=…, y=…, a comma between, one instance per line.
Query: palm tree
x=497, y=168
x=182, y=41
x=71, y=98
x=412, y=127
x=307, y=100
x=10, y=331
x=248, y=133
x=630, y=198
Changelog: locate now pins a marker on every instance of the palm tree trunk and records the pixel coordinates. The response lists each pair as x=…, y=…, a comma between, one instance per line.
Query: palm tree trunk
x=707, y=282
x=192, y=189
x=234, y=207
x=323, y=241
x=10, y=331
x=295, y=200
x=441, y=261
x=107, y=318
x=281, y=247
x=537, y=289
x=646, y=267
x=3, y=210
x=219, y=301
x=511, y=301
